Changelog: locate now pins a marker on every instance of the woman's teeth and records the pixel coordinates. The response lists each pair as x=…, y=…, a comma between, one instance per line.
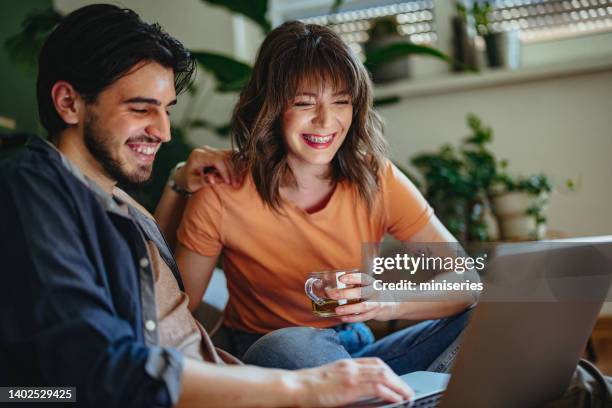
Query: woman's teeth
x=318, y=139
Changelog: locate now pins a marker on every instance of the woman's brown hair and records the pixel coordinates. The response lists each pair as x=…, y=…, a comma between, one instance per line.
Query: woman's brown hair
x=290, y=55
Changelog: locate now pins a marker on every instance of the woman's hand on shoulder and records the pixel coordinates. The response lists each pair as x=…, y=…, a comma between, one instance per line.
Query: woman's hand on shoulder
x=206, y=166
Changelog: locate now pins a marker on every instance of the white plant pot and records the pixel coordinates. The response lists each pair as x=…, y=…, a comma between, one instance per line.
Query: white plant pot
x=515, y=224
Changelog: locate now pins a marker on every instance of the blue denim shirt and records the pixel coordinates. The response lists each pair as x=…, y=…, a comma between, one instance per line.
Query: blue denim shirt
x=77, y=298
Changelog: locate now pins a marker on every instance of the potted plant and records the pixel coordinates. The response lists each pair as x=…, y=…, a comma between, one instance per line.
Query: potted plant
x=457, y=182
x=502, y=48
x=384, y=33
x=387, y=52
x=521, y=204
x=464, y=47
x=475, y=197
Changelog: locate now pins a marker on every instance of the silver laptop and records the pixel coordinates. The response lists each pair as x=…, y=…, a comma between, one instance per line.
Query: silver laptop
x=525, y=337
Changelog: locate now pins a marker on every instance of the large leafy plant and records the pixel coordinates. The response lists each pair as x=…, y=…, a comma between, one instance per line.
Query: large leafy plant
x=457, y=181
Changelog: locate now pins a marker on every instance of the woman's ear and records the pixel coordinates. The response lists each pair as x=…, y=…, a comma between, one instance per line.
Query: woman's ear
x=68, y=103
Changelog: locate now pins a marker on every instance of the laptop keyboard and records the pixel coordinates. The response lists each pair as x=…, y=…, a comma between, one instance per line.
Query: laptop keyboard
x=428, y=402
x=431, y=401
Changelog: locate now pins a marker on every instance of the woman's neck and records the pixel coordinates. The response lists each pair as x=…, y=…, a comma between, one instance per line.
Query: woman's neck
x=307, y=176
x=311, y=187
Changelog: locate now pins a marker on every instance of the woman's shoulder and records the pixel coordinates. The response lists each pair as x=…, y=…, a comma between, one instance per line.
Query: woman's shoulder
x=390, y=173
x=245, y=190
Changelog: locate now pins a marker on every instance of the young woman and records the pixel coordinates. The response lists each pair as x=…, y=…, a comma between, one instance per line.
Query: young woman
x=316, y=187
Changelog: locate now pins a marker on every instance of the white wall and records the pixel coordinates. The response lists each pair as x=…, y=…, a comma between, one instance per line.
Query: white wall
x=193, y=22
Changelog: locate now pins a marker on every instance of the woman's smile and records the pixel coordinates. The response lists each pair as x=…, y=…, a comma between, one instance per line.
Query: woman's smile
x=318, y=141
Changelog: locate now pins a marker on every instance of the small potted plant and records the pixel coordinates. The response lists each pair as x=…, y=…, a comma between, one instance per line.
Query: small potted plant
x=520, y=205
x=387, y=53
x=502, y=48
x=464, y=33
x=384, y=33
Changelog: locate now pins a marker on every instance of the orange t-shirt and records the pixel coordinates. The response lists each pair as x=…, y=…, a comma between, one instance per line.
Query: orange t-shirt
x=267, y=256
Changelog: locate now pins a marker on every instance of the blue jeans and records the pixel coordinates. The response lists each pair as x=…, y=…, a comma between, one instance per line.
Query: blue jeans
x=414, y=348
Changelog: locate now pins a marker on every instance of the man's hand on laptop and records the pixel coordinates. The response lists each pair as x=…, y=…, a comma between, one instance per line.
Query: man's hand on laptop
x=347, y=381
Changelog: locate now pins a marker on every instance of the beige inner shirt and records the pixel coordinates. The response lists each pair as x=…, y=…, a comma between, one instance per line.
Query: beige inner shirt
x=176, y=325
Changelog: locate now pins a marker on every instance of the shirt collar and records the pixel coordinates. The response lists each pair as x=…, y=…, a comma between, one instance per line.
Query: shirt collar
x=108, y=201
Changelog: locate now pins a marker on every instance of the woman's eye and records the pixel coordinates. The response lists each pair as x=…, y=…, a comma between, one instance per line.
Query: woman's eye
x=343, y=102
x=302, y=103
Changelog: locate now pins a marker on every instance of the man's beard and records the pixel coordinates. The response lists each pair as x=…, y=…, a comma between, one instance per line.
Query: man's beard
x=99, y=144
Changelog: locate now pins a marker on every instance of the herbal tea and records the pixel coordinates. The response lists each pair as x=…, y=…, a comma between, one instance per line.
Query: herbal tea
x=328, y=306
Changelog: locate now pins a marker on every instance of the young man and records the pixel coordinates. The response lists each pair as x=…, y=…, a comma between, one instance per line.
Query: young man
x=91, y=296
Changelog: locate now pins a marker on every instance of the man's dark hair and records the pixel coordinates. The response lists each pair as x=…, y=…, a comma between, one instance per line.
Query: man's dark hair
x=95, y=46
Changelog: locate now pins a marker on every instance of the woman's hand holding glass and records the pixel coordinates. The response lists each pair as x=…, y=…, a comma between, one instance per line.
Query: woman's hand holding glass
x=359, y=286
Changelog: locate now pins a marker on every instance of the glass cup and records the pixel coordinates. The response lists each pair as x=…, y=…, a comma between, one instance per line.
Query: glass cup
x=317, y=286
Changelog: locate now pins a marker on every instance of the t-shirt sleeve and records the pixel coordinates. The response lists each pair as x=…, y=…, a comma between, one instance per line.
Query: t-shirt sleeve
x=405, y=209
x=200, y=228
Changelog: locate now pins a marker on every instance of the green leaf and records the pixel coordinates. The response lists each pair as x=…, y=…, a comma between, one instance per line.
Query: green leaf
x=389, y=100
x=397, y=50
x=253, y=9
x=221, y=130
x=230, y=74
x=23, y=48
x=336, y=6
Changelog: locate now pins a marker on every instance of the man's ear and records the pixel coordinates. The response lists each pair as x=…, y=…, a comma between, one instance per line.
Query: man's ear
x=68, y=103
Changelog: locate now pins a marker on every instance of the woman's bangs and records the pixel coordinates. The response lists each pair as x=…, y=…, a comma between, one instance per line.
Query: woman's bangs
x=319, y=70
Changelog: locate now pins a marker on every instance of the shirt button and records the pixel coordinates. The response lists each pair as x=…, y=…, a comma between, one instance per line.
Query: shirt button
x=150, y=325
x=144, y=262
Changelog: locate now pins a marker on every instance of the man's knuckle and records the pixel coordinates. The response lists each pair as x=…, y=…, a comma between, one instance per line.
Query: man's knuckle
x=377, y=360
x=349, y=380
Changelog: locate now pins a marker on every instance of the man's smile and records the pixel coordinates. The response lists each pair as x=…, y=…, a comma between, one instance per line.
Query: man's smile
x=144, y=151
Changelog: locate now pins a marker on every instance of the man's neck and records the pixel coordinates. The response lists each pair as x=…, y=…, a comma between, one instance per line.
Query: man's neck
x=72, y=145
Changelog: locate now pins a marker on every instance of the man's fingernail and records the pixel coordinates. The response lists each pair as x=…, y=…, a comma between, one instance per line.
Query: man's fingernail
x=340, y=310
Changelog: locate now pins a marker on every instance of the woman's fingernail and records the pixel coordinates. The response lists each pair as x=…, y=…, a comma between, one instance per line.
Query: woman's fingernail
x=340, y=310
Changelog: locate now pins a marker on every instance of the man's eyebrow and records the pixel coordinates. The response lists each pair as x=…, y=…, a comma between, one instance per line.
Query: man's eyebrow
x=152, y=101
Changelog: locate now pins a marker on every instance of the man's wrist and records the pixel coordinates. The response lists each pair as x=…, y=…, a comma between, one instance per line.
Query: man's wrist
x=293, y=387
x=176, y=186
